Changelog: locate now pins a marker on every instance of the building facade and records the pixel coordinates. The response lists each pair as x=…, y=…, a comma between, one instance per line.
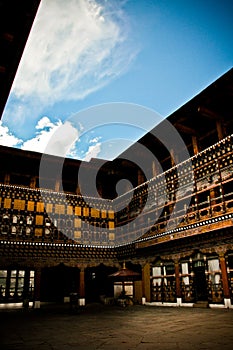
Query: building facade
x=175, y=228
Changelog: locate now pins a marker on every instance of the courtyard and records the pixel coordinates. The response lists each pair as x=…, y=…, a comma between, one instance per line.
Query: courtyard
x=102, y=327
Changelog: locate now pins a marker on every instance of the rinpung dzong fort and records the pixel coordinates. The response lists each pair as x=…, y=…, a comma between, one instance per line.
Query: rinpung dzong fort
x=181, y=254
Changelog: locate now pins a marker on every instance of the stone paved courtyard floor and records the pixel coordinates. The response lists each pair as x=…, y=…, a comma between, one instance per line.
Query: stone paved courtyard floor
x=115, y=328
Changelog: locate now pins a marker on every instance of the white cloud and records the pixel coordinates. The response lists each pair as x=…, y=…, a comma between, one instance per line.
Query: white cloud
x=7, y=138
x=74, y=49
x=58, y=138
x=95, y=139
x=43, y=123
x=53, y=138
x=92, y=152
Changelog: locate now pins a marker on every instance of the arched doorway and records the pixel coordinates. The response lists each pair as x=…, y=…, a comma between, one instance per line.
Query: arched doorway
x=58, y=282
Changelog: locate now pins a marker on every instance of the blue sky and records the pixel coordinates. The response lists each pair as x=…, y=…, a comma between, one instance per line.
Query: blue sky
x=80, y=54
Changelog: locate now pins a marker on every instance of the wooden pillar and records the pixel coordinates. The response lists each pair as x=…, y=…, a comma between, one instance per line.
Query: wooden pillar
x=155, y=168
x=177, y=276
x=195, y=144
x=78, y=192
x=211, y=199
x=57, y=185
x=100, y=191
x=146, y=282
x=225, y=284
x=33, y=182
x=82, y=283
x=140, y=177
x=37, y=284
x=220, y=131
x=138, y=291
x=174, y=157
x=7, y=179
x=212, y=194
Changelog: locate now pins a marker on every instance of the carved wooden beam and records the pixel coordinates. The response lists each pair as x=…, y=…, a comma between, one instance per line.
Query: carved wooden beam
x=208, y=113
x=185, y=129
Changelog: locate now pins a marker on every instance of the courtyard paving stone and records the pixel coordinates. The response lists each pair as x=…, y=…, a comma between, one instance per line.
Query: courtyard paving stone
x=110, y=327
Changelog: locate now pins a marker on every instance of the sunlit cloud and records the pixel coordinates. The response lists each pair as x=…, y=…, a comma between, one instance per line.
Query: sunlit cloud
x=48, y=140
x=7, y=138
x=92, y=152
x=45, y=122
x=95, y=139
x=73, y=50
x=56, y=138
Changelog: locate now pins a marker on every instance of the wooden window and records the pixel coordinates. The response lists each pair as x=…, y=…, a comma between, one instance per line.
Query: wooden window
x=85, y=211
x=78, y=211
x=3, y=282
x=39, y=219
x=111, y=225
x=19, y=204
x=77, y=222
x=104, y=214
x=40, y=207
x=7, y=203
x=38, y=232
x=30, y=206
x=77, y=234
x=49, y=207
x=111, y=236
x=59, y=209
x=69, y=210
x=111, y=214
x=95, y=213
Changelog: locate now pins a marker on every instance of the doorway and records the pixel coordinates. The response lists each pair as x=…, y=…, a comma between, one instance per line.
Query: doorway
x=58, y=282
x=98, y=283
x=200, y=285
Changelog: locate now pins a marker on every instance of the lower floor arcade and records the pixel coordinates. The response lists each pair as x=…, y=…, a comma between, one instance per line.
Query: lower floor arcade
x=200, y=275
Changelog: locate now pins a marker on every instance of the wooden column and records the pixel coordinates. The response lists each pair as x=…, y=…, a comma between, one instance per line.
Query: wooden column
x=82, y=283
x=78, y=189
x=195, y=144
x=174, y=157
x=173, y=161
x=140, y=177
x=212, y=194
x=220, y=130
x=33, y=182
x=37, y=284
x=212, y=199
x=146, y=282
x=177, y=276
x=155, y=168
x=138, y=291
x=7, y=179
x=57, y=185
x=225, y=284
